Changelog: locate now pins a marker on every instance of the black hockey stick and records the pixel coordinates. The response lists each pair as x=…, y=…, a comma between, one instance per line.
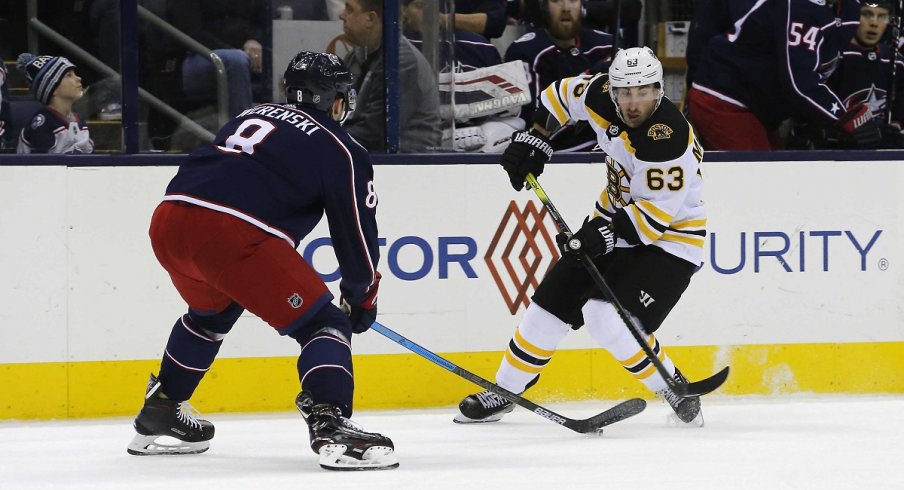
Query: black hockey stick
x=596, y=423
x=696, y=388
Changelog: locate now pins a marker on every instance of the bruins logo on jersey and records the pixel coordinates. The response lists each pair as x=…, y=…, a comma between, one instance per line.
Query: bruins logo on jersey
x=660, y=132
x=606, y=86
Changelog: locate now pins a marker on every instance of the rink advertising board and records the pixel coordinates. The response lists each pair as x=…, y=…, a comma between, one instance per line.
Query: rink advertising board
x=798, y=291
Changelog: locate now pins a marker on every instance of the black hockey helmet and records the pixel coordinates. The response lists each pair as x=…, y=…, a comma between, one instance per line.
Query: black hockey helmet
x=316, y=79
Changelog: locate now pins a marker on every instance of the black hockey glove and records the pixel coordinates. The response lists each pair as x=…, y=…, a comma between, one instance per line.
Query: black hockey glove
x=527, y=153
x=858, y=122
x=362, y=315
x=596, y=237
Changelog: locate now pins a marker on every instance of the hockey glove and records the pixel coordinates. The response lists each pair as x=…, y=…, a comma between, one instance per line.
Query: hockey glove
x=596, y=237
x=527, y=153
x=363, y=315
x=858, y=122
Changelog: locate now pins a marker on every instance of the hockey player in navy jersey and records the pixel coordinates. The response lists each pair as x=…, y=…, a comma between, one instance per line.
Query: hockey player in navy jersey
x=226, y=233
x=773, y=65
x=645, y=236
x=562, y=48
x=55, y=128
x=864, y=76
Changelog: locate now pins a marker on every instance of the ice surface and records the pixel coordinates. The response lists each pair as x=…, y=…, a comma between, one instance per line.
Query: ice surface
x=850, y=442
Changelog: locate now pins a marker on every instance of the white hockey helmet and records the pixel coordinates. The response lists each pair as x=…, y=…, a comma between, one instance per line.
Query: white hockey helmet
x=635, y=67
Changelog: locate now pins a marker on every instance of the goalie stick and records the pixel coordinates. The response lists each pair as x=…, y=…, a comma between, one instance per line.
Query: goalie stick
x=696, y=388
x=619, y=412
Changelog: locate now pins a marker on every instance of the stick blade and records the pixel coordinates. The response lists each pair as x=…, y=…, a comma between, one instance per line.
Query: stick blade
x=623, y=410
x=702, y=387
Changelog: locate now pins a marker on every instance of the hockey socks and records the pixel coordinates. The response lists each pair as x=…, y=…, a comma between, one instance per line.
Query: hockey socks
x=189, y=353
x=610, y=332
x=531, y=348
x=325, y=369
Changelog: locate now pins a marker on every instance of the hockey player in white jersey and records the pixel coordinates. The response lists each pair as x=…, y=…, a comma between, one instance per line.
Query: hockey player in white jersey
x=645, y=234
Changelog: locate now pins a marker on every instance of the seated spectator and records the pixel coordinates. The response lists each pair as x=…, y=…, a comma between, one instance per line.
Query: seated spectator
x=749, y=83
x=561, y=48
x=864, y=77
x=55, y=128
x=362, y=22
x=485, y=17
x=596, y=14
x=233, y=31
x=5, y=129
x=472, y=50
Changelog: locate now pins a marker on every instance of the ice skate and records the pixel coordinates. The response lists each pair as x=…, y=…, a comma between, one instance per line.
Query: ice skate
x=485, y=406
x=342, y=444
x=168, y=427
x=687, y=409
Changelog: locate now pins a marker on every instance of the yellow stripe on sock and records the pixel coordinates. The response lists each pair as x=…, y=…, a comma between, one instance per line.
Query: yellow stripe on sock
x=531, y=348
x=521, y=366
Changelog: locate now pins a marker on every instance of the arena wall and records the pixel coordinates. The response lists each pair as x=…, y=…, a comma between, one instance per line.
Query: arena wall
x=799, y=291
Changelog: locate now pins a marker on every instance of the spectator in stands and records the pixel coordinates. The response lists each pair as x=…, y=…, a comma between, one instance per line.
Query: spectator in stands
x=485, y=17
x=864, y=76
x=55, y=128
x=749, y=83
x=596, y=14
x=472, y=50
x=5, y=128
x=561, y=48
x=362, y=22
x=234, y=31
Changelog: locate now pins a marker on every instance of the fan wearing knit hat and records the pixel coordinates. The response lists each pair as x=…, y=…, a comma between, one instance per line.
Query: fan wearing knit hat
x=55, y=128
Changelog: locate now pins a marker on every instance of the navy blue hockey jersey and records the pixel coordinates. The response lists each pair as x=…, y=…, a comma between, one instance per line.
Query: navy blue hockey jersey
x=48, y=131
x=777, y=58
x=864, y=76
x=281, y=168
x=545, y=63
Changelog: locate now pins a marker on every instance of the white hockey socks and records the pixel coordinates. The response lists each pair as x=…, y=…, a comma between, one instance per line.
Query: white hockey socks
x=530, y=349
x=611, y=333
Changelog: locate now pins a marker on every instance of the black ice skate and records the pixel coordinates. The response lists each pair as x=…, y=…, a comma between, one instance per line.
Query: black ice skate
x=687, y=409
x=342, y=444
x=485, y=406
x=161, y=417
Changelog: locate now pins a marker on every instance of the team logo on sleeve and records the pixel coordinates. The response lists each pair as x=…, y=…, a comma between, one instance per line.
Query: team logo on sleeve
x=660, y=132
x=606, y=86
x=295, y=301
x=37, y=122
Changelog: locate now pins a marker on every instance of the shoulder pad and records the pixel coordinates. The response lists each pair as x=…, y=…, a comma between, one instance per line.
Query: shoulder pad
x=664, y=137
x=598, y=98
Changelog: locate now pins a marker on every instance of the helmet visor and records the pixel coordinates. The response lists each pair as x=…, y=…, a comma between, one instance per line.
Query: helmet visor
x=630, y=95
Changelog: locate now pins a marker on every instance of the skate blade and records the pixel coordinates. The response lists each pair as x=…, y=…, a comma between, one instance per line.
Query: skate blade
x=333, y=457
x=164, y=445
x=673, y=421
x=461, y=418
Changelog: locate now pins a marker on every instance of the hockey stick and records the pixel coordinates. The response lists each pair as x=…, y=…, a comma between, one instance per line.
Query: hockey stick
x=596, y=423
x=697, y=388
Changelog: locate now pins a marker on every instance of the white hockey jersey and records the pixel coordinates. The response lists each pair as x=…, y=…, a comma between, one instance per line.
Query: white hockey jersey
x=654, y=192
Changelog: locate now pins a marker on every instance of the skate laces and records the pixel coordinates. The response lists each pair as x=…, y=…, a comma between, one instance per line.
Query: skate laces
x=188, y=415
x=490, y=400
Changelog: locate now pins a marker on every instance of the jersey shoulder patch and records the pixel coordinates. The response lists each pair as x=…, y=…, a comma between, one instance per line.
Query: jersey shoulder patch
x=664, y=137
x=526, y=37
